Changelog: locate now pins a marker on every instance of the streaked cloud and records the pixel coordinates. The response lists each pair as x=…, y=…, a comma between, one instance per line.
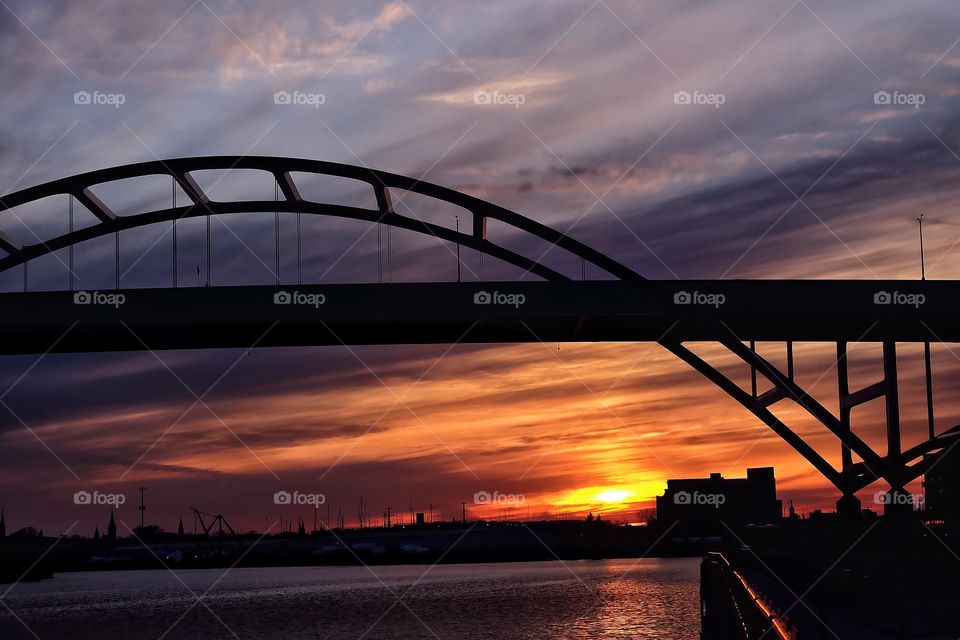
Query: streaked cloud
x=687, y=190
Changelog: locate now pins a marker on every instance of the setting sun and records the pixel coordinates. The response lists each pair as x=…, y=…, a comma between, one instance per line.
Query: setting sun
x=613, y=495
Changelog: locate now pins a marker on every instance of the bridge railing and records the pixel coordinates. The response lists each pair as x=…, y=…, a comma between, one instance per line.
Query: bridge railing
x=731, y=608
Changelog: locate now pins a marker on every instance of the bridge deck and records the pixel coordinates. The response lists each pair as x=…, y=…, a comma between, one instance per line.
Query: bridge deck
x=592, y=311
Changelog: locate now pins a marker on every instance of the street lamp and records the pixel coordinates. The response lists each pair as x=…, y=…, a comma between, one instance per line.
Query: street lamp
x=923, y=274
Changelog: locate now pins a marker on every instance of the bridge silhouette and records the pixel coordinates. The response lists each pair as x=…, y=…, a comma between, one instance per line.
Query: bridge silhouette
x=622, y=306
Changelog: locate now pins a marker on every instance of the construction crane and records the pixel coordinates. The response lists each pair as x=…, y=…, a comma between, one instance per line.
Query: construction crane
x=217, y=521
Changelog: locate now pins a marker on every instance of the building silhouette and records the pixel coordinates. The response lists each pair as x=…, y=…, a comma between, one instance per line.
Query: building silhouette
x=111, y=528
x=714, y=500
x=941, y=486
x=3, y=524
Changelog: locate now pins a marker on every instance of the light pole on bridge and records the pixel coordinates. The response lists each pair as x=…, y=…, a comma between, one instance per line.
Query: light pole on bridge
x=928, y=373
x=923, y=273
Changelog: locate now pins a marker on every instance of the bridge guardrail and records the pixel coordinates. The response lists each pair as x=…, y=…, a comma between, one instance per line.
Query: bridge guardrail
x=731, y=608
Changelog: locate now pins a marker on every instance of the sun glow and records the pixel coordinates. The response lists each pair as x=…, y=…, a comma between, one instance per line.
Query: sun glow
x=613, y=495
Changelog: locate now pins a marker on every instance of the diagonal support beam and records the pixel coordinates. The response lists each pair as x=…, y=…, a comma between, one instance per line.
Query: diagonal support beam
x=479, y=227
x=9, y=244
x=859, y=476
x=771, y=397
x=384, y=199
x=894, y=467
x=874, y=391
x=288, y=186
x=88, y=199
x=802, y=398
x=945, y=442
x=190, y=187
x=759, y=409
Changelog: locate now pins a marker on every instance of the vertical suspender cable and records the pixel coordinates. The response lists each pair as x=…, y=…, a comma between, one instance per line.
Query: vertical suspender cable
x=116, y=256
x=276, y=228
x=70, y=249
x=208, y=250
x=173, y=200
x=299, y=250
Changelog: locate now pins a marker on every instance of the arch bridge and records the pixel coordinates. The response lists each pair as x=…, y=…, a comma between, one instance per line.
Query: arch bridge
x=620, y=306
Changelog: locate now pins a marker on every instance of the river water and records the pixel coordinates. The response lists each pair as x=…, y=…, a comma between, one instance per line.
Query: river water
x=646, y=598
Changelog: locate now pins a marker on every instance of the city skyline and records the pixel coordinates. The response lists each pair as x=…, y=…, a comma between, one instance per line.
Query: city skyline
x=293, y=510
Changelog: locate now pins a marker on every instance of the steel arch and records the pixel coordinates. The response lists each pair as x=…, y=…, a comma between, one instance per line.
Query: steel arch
x=180, y=169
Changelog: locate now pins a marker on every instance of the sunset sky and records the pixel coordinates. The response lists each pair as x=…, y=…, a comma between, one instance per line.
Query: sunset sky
x=789, y=168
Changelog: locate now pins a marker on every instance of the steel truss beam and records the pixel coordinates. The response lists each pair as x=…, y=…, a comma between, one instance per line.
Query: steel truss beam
x=897, y=467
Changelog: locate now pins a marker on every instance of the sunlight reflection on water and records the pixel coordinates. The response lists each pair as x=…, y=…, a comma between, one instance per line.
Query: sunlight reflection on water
x=648, y=598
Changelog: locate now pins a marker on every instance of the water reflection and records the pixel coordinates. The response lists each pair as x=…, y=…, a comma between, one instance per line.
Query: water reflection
x=648, y=598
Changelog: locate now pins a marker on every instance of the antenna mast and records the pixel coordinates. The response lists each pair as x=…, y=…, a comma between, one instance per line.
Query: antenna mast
x=142, y=507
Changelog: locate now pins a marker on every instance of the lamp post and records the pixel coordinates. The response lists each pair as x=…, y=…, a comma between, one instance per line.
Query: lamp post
x=931, y=424
x=923, y=274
